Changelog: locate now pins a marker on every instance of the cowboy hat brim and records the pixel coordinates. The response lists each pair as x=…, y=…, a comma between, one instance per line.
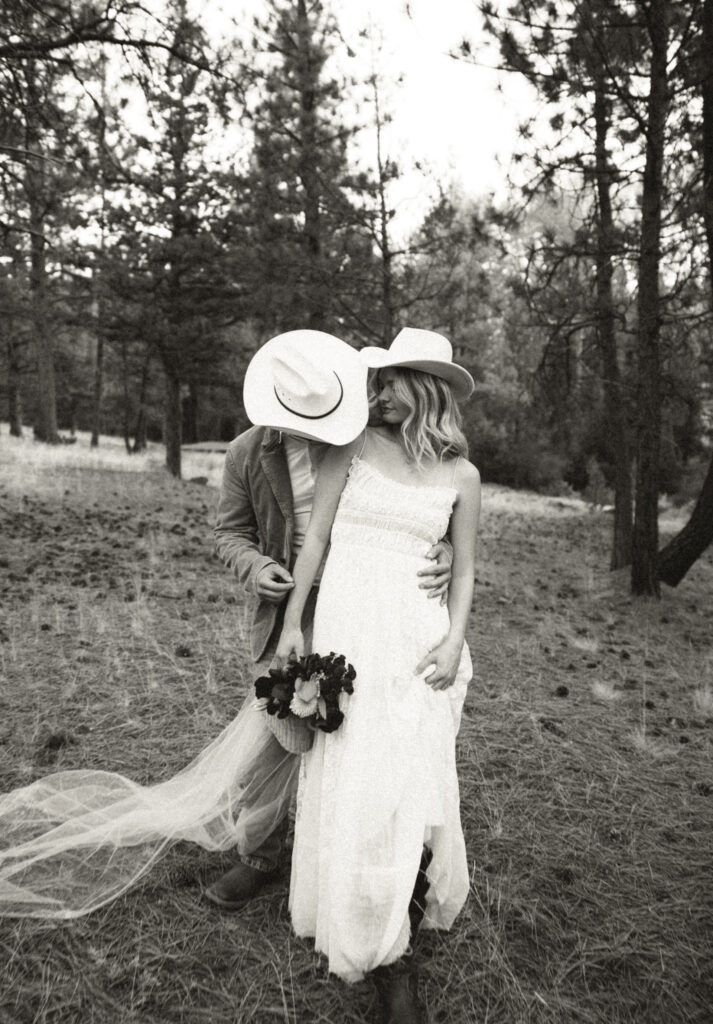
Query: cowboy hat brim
x=342, y=423
x=458, y=377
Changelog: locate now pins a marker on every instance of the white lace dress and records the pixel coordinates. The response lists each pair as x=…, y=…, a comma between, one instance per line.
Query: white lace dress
x=373, y=792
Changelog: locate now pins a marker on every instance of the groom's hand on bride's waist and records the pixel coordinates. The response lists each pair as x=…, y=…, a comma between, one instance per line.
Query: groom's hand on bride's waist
x=273, y=583
x=436, y=577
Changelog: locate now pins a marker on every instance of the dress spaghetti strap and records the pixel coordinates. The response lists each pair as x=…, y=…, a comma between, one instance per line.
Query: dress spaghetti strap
x=455, y=469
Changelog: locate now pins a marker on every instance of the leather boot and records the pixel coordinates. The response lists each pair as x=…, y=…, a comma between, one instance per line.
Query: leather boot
x=237, y=886
x=397, y=985
x=417, y=906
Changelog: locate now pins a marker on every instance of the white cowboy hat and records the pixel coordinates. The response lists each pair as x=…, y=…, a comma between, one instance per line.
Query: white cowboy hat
x=308, y=383
x=415, y=349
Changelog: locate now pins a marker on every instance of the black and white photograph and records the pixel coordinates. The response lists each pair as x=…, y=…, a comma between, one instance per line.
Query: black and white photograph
x=356, y=512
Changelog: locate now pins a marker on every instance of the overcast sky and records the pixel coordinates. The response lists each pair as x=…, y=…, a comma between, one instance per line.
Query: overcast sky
x=447, y=114
x=446, y=111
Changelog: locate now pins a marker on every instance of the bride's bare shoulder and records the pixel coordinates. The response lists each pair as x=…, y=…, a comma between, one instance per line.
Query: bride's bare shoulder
x=466, y=475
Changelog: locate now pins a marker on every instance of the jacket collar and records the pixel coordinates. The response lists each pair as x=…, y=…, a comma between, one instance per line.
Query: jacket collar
x=271, y=439
x=274, y=465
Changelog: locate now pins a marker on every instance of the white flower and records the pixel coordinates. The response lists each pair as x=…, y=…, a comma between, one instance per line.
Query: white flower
x=306, y=695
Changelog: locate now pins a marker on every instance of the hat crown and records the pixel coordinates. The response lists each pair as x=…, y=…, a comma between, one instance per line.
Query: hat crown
x=310, y=383
x=303, y=384
x=415, y=343
x=417, y=349
x=299, y=371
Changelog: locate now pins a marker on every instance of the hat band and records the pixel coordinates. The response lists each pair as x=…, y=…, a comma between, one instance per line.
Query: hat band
x=317, y=416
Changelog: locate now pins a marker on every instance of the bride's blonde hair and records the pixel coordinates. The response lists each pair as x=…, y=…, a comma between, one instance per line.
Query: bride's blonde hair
x=432, y=428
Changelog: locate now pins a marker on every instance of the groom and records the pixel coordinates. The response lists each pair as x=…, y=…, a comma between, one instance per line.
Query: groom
x=303, y=390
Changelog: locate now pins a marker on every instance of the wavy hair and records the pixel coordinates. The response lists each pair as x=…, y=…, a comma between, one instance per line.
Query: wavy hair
x=432, y=428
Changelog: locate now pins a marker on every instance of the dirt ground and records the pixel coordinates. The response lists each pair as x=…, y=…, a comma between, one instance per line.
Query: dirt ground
x=585, y=760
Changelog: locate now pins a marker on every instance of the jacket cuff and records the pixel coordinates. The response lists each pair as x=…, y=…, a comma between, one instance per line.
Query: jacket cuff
x=257, y=566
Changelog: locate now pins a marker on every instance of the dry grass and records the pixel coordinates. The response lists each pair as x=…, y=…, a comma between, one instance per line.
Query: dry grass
x=585, y=761
x=66, y=462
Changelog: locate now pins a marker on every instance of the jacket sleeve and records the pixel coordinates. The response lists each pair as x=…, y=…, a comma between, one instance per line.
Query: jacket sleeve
x=445, y=543
x=236, y=535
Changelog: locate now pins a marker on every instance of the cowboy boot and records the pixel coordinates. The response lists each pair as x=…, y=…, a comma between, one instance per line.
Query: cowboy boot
x=237, y=886
x=397, y=985
x=417, y=906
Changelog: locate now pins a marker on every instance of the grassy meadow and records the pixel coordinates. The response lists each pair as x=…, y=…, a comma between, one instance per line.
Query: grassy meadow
x=585, y=759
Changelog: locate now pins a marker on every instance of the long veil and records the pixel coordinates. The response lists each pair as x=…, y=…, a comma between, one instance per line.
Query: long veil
x=76, y=840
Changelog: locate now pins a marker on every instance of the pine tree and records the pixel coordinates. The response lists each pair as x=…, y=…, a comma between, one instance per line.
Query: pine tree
x=592, y=53
x=301, y=209
x=644, y=569
x=31, y=130
x=169, y=268
x=14, y=335
x=578, y=57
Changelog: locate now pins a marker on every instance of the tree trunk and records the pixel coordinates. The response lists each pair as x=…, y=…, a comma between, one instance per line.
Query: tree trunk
x=73, y=403
x=46, y=412
x=98, y=378
x=125, y=387
x=35, y=187
x=682, y=551
x=308, y=173
x=140, y=429
x=14, y=395
x=614, y=398
x=387, y=258
x=97, y=281
x=644, y=567
x=677, y=557
x=190, y=415
x=172, y=423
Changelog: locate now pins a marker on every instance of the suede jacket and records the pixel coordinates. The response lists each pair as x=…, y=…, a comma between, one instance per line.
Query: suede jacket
x=255, y=522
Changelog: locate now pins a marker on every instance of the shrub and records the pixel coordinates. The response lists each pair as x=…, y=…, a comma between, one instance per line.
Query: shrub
x=509, y=445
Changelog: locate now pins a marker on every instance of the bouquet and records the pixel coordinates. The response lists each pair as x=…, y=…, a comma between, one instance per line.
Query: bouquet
x=306, y=693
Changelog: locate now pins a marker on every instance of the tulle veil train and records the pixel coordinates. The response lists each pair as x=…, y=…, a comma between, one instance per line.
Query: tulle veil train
x=75, y=840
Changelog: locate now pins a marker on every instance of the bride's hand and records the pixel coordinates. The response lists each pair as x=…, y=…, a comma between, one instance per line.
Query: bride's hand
x=446, y=659
x=290, y=646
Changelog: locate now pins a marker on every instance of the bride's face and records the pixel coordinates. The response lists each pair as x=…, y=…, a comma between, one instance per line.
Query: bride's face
x=393, y=410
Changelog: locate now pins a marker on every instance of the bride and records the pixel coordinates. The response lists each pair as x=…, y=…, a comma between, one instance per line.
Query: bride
x=378, y=825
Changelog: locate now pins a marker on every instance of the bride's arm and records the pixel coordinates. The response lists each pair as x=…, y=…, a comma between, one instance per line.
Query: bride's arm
x=331, y=477
x=463, y=532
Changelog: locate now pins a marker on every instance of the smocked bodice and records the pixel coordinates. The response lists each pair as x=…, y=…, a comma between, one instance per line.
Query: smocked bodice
x=378, y=512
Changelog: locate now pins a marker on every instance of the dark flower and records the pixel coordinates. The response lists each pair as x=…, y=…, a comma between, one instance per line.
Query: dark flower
x=263, y=687
x=282, y=691
x=333, y=720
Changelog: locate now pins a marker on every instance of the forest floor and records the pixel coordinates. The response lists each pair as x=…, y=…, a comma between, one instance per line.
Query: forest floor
x=585, y=762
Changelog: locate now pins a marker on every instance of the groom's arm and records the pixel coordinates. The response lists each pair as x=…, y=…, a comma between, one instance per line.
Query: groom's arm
x=236, y=535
